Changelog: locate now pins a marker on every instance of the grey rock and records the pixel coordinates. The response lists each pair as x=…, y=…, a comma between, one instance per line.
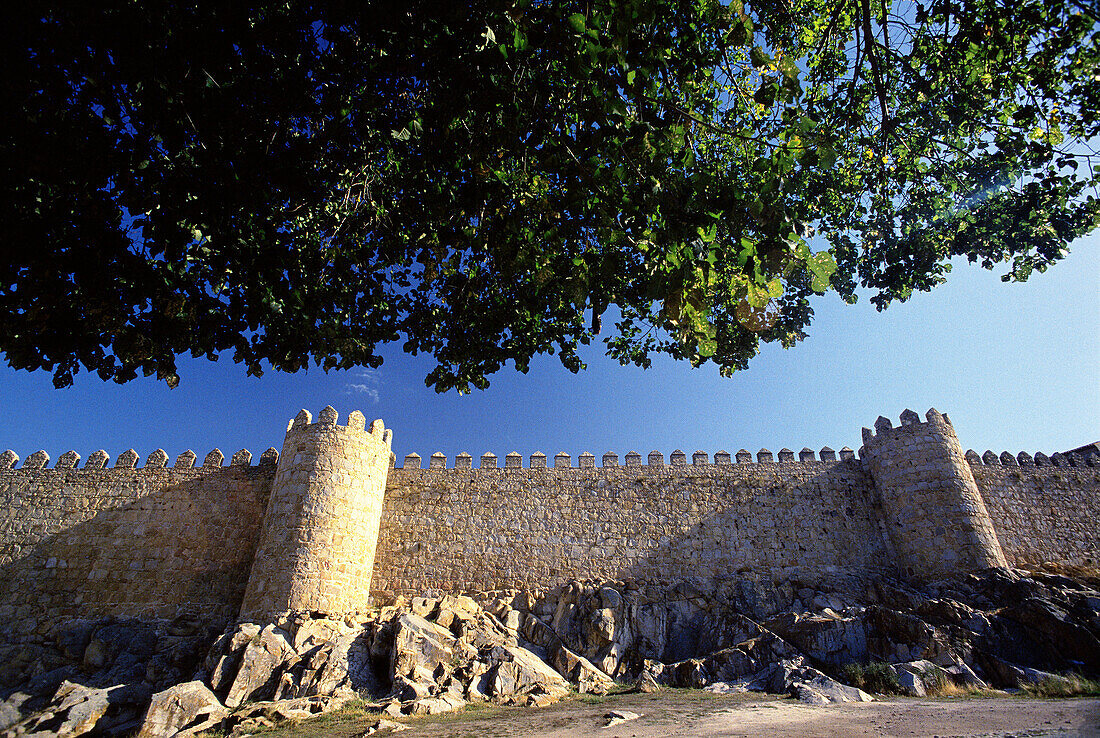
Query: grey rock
x=384, y=726
x=268, y=713
x=617, y=717
x=77, y=710
x=581, y=672
x=10, y=714
x=964, y=676
x=408, y=690
x=446, y=702
x=821, y=690
x=911, y=684
x=258, y=673
x=610, y=598
x=313, y=632
x=830, y=639
x=73, y=638
x=420, y=645
x=343, y=668
x=794, y=676
x=190, y=705
x=516, y=672
x=225, y=653
x=1055, y=629
x=96, y=655
x=646, y=683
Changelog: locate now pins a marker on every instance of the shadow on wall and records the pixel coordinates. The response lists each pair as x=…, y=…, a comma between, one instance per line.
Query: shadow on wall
x=802, y=521
x=146, y=542
x=456, y=530
x=810, y=524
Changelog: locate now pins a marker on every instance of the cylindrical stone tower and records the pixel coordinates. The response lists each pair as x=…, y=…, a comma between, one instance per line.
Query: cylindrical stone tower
x=933, y=510
x=316, y=550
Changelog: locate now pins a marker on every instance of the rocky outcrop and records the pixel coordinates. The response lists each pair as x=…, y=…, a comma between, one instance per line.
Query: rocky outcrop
x=433, y=655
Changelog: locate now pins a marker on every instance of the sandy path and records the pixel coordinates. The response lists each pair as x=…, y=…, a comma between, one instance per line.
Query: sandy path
x=692, y=714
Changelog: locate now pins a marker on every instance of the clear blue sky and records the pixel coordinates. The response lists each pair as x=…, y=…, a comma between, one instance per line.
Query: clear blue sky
x=1017, y=367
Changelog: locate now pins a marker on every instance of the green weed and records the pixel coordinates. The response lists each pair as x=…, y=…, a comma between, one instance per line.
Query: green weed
x=876, y=676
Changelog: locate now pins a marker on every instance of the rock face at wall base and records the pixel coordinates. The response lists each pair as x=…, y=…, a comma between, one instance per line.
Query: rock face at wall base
x=428, y=655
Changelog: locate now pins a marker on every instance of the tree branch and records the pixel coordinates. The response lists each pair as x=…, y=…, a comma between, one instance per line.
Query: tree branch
x=876, y=73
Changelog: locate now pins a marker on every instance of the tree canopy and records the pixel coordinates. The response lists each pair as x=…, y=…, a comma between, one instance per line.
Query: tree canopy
x=298, y=182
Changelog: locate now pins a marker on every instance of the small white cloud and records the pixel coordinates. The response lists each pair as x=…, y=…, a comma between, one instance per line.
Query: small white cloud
x=369, y=375
x=362, y=389
x=367, y=384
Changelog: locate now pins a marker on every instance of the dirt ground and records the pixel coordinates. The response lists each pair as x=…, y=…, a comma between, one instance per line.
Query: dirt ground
x=692, y=713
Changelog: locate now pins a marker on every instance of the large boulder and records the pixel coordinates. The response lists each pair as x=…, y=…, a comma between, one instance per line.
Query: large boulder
x=313, y=631
x=421, y=647
x=225, y=653
x=347, y=671
x=900, y=636
x=828, y=638
x=581, y=672
x=911, y=683
x=77, y=710
x=261, y=662
x=1054, y=628
x=515, y=673
x=133, y=638
x=190, y=706
x=821, y=690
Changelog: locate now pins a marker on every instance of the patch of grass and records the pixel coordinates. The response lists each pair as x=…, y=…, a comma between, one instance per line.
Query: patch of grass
x=476, y=706
x=350, y=720
x=938, y=683
x=876, y=676
x=480, y=709
x=588, y=698
x=1069, y=685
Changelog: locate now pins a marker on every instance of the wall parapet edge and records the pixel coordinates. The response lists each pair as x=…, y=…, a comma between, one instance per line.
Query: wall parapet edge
x=1023, y=458
x=587, y=460
x=155, y=460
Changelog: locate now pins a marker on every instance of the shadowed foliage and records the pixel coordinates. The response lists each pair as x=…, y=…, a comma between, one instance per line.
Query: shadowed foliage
x=482, y=182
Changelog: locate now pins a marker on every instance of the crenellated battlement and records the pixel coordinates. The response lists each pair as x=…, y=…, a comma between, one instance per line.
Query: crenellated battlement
x=157, y=459
x=656, y=459
x=1005, y=458
x=885, y=431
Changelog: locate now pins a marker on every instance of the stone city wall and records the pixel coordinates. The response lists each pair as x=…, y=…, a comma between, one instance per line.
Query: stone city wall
x=492, y=528
x=308, y=530
x=1042, y=514
x=143, y=541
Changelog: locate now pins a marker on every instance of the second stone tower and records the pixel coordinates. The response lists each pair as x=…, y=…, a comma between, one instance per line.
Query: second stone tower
x=931, y=505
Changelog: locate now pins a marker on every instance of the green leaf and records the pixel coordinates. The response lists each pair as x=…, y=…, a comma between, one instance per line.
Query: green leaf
x=759, y=58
